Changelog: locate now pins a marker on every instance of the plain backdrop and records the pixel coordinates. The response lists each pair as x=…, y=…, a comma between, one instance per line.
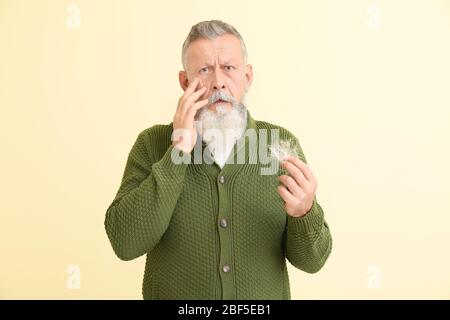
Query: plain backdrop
x=364, y=85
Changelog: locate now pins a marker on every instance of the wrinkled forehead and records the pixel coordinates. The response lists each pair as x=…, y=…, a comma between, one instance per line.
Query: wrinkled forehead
x=223, y=49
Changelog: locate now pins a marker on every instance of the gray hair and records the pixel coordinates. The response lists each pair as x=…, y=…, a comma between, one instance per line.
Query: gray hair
x=210, y=30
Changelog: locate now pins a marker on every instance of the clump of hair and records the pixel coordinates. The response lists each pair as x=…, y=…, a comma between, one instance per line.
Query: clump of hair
x=284, y=148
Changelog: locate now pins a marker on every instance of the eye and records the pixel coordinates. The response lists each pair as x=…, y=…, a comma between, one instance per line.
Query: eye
x=203, y=70
x=229, y=68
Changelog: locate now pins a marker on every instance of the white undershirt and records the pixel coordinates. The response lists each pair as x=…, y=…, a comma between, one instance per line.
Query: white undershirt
x=221, y=156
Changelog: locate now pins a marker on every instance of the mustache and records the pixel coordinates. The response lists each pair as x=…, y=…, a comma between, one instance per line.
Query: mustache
x=221, y=95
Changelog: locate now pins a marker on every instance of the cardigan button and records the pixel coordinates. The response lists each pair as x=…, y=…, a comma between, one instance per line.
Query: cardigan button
x=226, y=268
x=222, y=179
x=223, y=223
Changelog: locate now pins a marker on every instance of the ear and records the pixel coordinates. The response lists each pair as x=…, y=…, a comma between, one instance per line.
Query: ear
x=184, y=82
x=248, y=76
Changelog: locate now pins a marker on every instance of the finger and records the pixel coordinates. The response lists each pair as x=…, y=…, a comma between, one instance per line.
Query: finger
x=296, y=173
x=303, y=167
x=191, y=88
x=285, y=194
x=196, y=94
x=292, y=185
x=192, y=99
x=190, y=114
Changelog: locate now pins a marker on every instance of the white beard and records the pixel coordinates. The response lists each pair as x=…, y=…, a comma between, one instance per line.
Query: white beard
x=221, y=129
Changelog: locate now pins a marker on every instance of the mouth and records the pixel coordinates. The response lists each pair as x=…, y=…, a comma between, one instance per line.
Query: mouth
x=220, y=101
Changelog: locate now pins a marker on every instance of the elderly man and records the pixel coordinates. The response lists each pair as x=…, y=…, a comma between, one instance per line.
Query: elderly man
x=194, y=197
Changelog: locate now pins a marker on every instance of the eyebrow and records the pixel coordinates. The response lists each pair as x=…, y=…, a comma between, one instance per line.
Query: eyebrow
x=224, y=63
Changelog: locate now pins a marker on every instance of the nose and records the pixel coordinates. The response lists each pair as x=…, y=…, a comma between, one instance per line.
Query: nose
x=218, y=86
x=218, y=82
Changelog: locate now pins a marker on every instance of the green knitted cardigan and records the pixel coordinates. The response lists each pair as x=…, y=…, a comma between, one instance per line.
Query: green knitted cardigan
x=207, y=232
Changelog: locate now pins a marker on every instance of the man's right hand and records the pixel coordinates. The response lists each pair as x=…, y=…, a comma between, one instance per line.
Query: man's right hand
x=185, y=134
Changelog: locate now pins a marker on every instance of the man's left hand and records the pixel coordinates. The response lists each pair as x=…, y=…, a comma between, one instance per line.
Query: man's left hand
x=298, y=189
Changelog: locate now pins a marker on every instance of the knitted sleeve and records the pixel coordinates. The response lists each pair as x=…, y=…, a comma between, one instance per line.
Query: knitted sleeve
x=307, y=239
x=141, y=211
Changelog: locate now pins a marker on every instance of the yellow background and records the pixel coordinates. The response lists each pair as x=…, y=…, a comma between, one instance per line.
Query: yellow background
x=363, y=84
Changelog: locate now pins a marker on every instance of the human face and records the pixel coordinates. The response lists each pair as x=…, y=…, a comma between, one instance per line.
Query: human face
x=220, y=66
